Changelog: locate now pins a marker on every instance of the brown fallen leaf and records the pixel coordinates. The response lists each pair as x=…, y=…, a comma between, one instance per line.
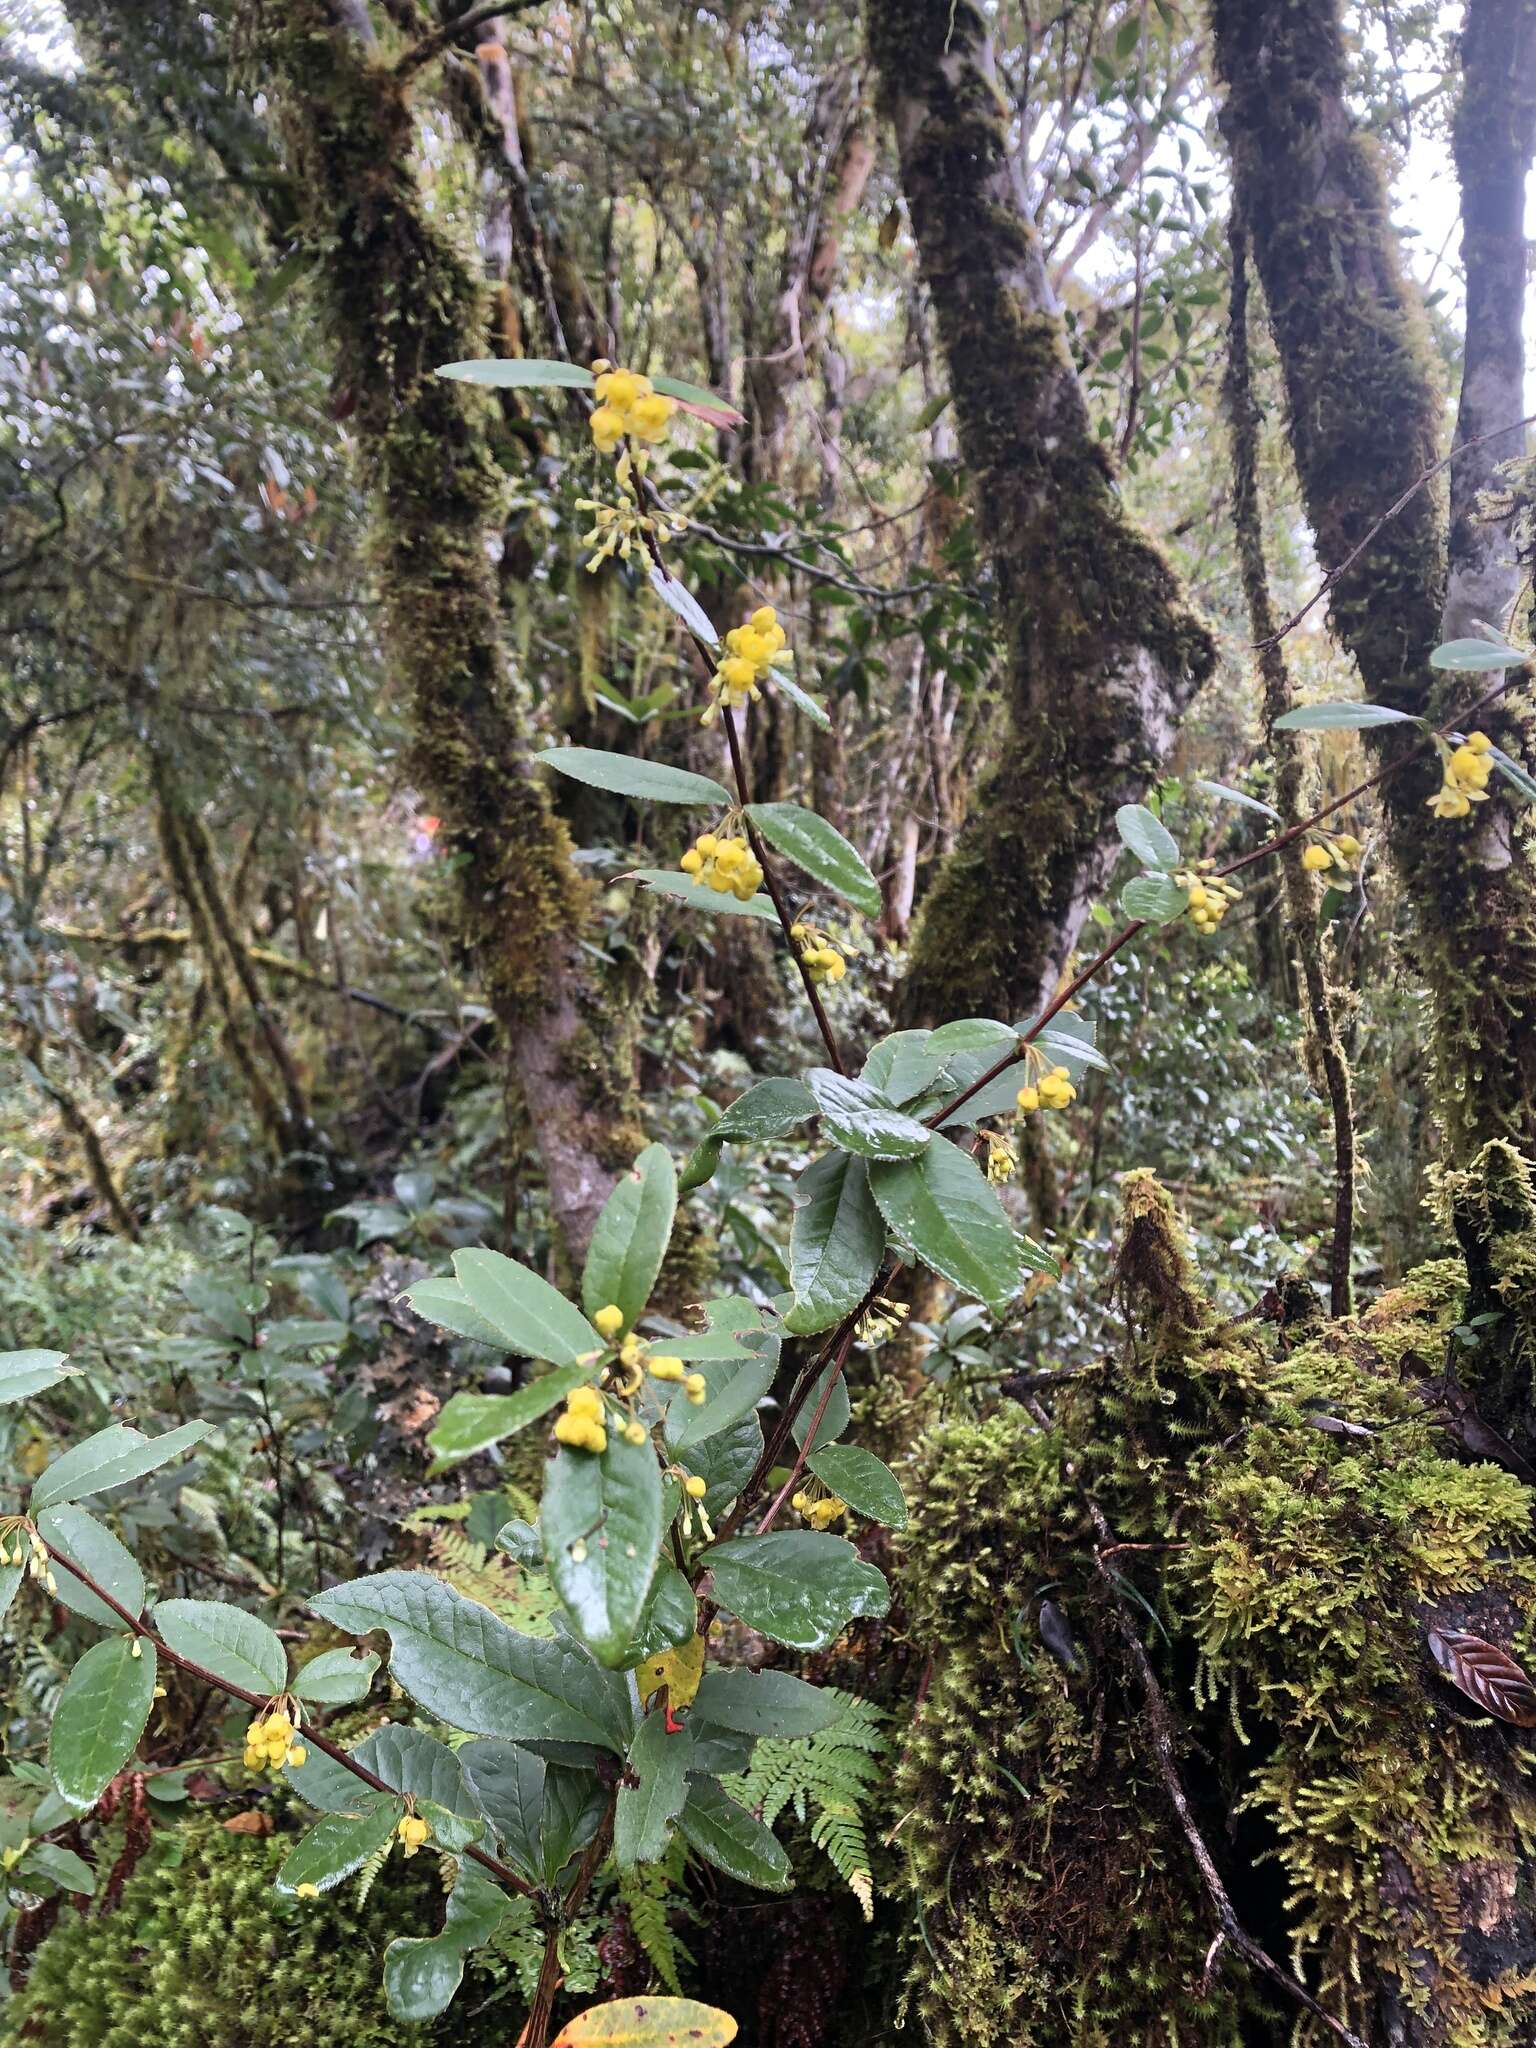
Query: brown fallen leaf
x=252, y=1822
x=1485, y=1673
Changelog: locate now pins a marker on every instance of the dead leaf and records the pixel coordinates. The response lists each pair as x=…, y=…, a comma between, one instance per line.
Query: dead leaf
x=252, y=1822
x=1485, y=1673
x=648, y=2023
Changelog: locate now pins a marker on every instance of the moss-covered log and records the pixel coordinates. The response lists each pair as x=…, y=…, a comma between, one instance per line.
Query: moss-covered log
x=1288, y=1520
x=1102, y=651
x=1365, y=415
x=403, y=298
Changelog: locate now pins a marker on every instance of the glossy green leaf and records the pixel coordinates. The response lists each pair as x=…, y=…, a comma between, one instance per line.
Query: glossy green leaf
x=1475, y=657
x=422, y=1973
x=600, y=1524
x=455, y=1658
x=469, y=1423
x=25, y=1373
x=670, y=1617
x=699, y=395
x=341, y=1843
x=629, y=775
x=99, y=1718
x=1226, y=794
x=942, y=1208
x=733, y=1839
x=10, y=1585
x=820, y=850
x=60, y=1866
x=527, y=1314
x=797, y=1586
x=226, y=1641
x=1069, y=1041
x=972, y=1035
x=444, y=1302
x=700, y=1165
x=506, y=372
x=651, y=1793
x=1154, y=899
x=541, y=1813
x=80, y=1539
x=769, y=1110
x=734, y=1388
x=1343, y=717
x=858, y=1477
x=407, y=1759
x=631, y=1237
x=859, y=1119
x=772, y=1703
x=678, y=598
x=111, y=1457
x=836, y=1242
x=685, y=890
x=1147, y=836
x=903, y=1064
x=811, y=707
x=336, y=1678
x=828, y=1398
x=725, y=1461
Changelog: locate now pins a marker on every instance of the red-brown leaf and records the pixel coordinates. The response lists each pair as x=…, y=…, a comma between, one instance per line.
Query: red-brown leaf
x=1485, y=1673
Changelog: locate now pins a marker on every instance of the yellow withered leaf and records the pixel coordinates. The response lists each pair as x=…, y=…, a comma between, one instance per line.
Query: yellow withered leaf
x=649, y=2023
x=678, y=1670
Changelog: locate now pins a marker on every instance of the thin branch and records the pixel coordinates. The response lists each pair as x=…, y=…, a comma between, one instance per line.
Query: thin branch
x=448, y=33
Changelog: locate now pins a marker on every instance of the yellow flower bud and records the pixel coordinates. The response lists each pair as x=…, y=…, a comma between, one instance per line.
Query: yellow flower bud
x=306, y=1891
x=1029, y=1100
x=696, y=1387
x=666, y=1368
x=1315, y=858
x=634, y=1433
x=610, y=1320
x=691, y=861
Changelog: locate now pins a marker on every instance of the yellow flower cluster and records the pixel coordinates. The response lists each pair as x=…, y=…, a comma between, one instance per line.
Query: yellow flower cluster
x=581, y=1421
x=413, y=1831
x=269, y=1741
x=821, y=1514
x=820, y=958
x=1002, y=1160
x=746, y=663
x=693, y=1384
x=21, y=1544
x=1330, y=850
x=728, y=866
x=1466, y=771
x=1210, y=898
x=882, y=1319
x=627, y=403
x=1053, y=1090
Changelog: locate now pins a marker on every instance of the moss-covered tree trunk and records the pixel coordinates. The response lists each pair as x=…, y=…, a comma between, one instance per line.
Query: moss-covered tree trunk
x=1102, y=651
x=403, y=299
x=1365, y=415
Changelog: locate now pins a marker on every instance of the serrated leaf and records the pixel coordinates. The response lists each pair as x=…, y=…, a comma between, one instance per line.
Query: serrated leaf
x=1475, y=657
x=724, y=1461
x=80, y=1539
x=99, y=1718
x=1342, y=717
x=629, y=775
x=339, y=1844
x=111, y=1457
x=733, y=1839
x=903, y=1064
x=469, y=1423
x=669, y=882
x=1486, y=1674
x=796, y=1586
x=859, y=1119
x=678, y=598
x=1226, y=794
x=733, y=1388
x=820, y=850
x=768, y=1110
x=942, y=1208
x=25, y=1373
x=527, y=1314
x=1153, y=899
x=631, y=1237
x=671, y=1615
x=648, y=2023
x=226, y=1641
x=600, y=1525
x=836, y=1242
x=1147, y=837
x=773, y=1703
x=541, y=1813
x=858, y=1477
x=407, y=1759
x=444, y=1302
x=422, y=1973
x=455, y=1658
x=336, y=1678
x=652, y=1792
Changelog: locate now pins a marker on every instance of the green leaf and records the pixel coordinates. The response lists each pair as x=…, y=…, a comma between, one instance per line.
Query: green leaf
x=628, y=775
x=81, y=1539
x=455, y=1658
x=972, y=1034
x=678, y=598
x=336, y=1678
x=836, y=1242
x=60, y=1866
x=226, y=1641
x=941, y=1208
x=858, y=1477
x=1343, y=717
x=797, y=1586
x=600, y=1524
x=652, y=1792
x=724, y=1461
x=821, y=850
x=767, y=1111
x=671, y=1615
x=508, y=371
x=1478, y=656
x=831, y=1385
x=340, y=1844
x=669, y=882
x=1146, y=836
x=422, y=1973
x=1154, y=899
x=541, y=1813
x=771, y=1703
x=696, y=394
x=859, y=1119
x=699, y=1166
x=24, y=1373
x=111, y=1457
x=445, y=1303
x=1513, y=773
x=1069, y=1041
x=631, y=1237
x=902, y=1064
x=811, y=707
x=473, y=1422
x=733, y=1839
x=10, y=1584
x=733, y=1386
x=1229, y=795
x=526, y=1313
x=407, y=1759
x=99, y=1718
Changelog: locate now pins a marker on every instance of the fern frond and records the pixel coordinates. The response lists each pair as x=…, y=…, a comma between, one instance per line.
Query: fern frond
x=370, y=1870
x=650, y=1892
x=830, y=1777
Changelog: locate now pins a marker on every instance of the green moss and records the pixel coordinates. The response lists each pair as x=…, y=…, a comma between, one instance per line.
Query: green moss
x=1364, y=1824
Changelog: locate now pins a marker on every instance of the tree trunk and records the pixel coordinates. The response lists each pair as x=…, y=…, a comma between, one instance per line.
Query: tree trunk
x=1364, y=426
x=1102, y=652
x=402, y=301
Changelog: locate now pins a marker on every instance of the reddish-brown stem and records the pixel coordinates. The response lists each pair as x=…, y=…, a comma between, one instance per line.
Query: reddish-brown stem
x=840, y=1359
